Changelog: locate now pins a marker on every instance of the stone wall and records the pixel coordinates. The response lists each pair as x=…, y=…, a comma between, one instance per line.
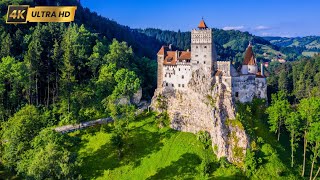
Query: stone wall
x=206, y=105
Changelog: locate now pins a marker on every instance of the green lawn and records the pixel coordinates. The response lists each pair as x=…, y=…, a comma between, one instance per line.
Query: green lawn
x=150, y=153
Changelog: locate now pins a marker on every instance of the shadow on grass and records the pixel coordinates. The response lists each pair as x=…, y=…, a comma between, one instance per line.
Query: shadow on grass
x=93, y=166
x=184, y=168
x=142, y=143
x=139, y=144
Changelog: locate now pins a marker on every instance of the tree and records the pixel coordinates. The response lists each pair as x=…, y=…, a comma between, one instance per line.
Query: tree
x=308, y=109
x=68, y=70
x=49, y=157
x=96, y=58
x=13, y=80
x=33, y=59
x=120, y=54
x=314, y=141
x=293, y=124
x=278, y=112
x=6, y=45
x=106, y=81
x=18, y=132
x=117, y=142
x=127, y=83
x=57, y=61
x=250, y=164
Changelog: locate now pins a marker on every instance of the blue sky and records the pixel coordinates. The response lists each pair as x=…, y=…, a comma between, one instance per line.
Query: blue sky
x=288, y=18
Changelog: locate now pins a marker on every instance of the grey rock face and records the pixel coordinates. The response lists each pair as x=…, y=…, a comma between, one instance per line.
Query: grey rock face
x=136, y=98
x=207, y=105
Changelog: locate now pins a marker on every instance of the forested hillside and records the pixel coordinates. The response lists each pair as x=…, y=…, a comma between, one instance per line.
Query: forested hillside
x=230, y=44
x=53, y=74
x=308, y=46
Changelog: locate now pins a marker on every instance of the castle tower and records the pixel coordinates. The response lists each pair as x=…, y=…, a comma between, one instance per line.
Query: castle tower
x=203, y=50
x=160, y=58
x=249, y=65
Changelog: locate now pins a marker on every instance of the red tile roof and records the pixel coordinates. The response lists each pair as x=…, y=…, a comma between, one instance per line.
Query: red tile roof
x=249, y=58
x=171, y=58
x=163, y=50
x=183, y=55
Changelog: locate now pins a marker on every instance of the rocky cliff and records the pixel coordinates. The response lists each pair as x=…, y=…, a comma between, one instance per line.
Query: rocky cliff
x=206, y=105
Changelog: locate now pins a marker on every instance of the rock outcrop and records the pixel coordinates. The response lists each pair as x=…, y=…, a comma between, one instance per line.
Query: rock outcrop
x=208, y=106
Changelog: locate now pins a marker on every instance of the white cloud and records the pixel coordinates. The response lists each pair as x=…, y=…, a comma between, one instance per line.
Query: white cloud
x=265, y=34
x=259, y=28
x=233, y=28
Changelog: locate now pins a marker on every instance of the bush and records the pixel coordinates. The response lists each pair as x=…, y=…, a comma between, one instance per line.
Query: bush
x=204, y=138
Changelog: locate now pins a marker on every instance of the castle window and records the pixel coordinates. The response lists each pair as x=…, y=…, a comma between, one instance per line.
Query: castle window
x=237, y=94
x=172, y=85
x=169, y=75
x=182, y=76
x=178, y=85
x=205, y=46
x=197, y=47
x=204, y=62
x=205, y=56
x=197, y=62
x=182, y=85
x=165, y=75
x=166, y=84
x=179, y=69
x=196, y=55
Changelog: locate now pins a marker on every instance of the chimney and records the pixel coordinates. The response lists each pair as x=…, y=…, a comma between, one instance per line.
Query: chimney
x=170, y=46
x=262, y=69
x=177, y=54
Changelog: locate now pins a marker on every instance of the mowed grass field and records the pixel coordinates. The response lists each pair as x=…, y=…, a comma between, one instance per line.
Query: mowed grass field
x=149, y=153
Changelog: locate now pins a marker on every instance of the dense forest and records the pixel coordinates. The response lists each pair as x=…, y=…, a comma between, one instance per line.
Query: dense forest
x=53, y=74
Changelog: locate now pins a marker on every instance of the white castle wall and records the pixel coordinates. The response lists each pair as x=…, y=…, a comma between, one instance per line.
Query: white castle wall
x=176, y=77
x=261, y=88
x=244, y=87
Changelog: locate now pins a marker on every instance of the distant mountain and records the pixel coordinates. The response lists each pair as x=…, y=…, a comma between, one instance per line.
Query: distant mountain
x=309, y=45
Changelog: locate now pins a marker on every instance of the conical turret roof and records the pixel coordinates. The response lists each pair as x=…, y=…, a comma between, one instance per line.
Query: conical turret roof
x=202, y=24
x=249, y=58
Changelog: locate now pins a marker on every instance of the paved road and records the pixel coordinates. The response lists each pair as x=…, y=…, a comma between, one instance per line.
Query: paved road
x=70, y=128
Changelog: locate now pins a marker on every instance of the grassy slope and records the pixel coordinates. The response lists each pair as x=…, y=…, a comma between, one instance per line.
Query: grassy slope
x=150, y=153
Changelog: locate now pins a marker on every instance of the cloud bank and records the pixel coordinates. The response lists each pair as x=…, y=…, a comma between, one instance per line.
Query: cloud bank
x=233, y=28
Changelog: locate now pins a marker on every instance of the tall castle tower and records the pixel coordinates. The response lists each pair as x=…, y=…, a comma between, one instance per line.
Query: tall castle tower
x=204, y=53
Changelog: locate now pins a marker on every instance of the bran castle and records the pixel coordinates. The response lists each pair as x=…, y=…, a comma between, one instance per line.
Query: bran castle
x=199, y=92
x=175, y=68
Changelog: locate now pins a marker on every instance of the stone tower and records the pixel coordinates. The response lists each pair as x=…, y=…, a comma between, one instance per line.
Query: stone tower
x=160, y=58
x=203, y=54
